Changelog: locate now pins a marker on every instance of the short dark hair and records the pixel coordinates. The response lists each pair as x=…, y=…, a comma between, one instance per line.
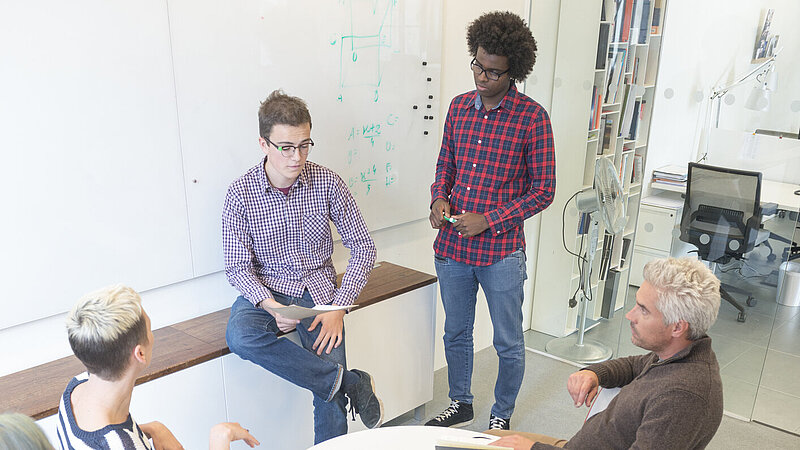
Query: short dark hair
x=504, y=34
x=281, y=109
x=104, y=327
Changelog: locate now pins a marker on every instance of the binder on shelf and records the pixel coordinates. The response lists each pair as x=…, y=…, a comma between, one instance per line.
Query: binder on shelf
x=615, y=78
x=637, y=109
x=636, y=173
x=607, y=133
x=610, y=291
x=618, y=18
x=623, y=169
x=626, y=246
x=601, y=136
x=615, y=259
x=655, y=28
x=643, y=26
x=631, y=92
x=609, y=10
x=602, y=46
x=626, y=23
x=605, y=257
x=636, y=21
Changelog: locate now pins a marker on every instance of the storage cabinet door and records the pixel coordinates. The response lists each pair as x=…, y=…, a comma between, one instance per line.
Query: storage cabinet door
x=654, y=229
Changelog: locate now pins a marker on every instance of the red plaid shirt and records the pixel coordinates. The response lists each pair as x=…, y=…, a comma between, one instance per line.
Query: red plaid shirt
x=499, y=163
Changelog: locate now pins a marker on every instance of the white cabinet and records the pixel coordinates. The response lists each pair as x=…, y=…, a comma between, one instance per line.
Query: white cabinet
x=657, y=232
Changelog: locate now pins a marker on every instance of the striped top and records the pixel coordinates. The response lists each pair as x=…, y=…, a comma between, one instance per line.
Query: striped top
x=121, y=436
x=274, y=241
x=499, y=163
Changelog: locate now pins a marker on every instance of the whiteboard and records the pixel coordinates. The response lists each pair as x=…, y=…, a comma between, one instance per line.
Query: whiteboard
x=91, y=184
x=123, y=123
x=359, y=66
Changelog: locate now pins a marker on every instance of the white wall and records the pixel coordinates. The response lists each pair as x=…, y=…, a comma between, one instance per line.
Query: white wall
x=710, y=43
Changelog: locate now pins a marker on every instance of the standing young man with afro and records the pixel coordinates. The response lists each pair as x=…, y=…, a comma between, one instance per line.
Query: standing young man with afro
x=496, y=168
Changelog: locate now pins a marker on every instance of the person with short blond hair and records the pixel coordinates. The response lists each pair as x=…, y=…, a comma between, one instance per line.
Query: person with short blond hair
x=670, y=398
x=110, y=333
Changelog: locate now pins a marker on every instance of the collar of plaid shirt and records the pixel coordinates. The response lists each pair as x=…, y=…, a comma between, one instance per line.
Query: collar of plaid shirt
x=499, y=163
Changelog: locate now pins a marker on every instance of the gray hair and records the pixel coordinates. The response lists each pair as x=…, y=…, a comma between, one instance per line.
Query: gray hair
x=104, y=327
x=687, y=290
x=20, y=432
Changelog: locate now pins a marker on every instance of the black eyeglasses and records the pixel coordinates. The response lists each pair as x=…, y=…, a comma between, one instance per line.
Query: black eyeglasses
x=287, y=151
x=491, y=74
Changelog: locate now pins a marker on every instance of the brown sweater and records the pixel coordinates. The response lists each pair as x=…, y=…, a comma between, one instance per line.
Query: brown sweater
x=670, y=404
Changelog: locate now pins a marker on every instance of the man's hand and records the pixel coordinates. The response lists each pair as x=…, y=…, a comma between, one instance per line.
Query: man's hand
x=516, y=442
x=582, y=386
x=222, y=434
x=439, y=209
x=163, y=439
x=331, y=333
x=470, y=224
x=284, y=324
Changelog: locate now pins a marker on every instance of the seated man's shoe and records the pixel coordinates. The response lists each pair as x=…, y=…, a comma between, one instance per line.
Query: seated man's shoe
x=458, y=414
x=364, y=401
x=497, y=423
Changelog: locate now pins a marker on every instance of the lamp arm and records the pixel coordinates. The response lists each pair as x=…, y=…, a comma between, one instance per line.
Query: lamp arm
x=719, y=92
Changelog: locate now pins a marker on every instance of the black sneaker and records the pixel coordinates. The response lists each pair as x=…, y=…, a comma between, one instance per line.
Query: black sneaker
x=458, y=414
x=498, y=423
x=364, y=401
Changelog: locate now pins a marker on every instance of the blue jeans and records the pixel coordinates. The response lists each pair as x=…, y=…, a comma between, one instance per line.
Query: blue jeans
x=252, y=335
x=502, y=284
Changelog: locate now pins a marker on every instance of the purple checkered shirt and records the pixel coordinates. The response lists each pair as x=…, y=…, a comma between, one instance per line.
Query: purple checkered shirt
x=283, y=242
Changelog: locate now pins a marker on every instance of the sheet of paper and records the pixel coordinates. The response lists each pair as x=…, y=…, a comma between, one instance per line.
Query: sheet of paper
x=467, y=443
x=299, y=312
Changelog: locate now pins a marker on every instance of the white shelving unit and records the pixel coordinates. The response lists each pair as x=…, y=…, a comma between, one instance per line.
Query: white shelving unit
x=578, y=81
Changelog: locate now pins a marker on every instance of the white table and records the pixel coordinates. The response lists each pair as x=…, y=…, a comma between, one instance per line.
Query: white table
x=401, y=438
x=771, y=192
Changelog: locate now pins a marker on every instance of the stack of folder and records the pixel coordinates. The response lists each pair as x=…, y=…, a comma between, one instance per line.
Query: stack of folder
x=672, y=175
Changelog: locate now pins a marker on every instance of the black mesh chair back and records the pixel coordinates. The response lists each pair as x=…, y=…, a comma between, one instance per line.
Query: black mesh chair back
x=722, y=211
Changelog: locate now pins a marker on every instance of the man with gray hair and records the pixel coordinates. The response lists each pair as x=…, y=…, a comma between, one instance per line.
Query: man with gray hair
x=670, y=397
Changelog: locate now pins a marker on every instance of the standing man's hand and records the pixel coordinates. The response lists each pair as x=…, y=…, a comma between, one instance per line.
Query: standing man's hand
x=439, y=209
x=582, y=386
x=470, y=224
x=330, y=334
x=284, y=324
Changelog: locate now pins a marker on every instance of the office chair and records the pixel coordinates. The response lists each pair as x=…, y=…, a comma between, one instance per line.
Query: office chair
x=722, y=218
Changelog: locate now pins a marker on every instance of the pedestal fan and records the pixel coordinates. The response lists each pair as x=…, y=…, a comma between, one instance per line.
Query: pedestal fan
x=603, y=202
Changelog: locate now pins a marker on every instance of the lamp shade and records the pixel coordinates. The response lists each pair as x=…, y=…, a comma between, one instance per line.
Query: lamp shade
x=759, y=98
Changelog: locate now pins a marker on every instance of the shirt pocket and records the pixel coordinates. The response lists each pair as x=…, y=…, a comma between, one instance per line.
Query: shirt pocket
x=317, y=233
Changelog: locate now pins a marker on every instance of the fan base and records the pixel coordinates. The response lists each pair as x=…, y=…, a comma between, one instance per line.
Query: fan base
x=589, y=352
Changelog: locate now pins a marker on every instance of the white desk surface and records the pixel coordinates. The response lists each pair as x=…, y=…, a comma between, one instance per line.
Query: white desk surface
x=401, y=438
x=771, y=192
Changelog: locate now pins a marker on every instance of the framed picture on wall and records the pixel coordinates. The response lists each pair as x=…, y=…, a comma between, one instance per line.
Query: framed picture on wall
x=766, y=42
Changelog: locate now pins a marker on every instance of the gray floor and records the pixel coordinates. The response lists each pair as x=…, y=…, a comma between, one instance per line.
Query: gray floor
x=544, y=406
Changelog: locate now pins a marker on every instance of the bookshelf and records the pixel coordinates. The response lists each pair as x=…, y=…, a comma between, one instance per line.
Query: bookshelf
x=604, y=93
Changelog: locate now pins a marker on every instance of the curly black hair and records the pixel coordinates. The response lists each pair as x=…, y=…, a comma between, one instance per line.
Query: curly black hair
x=504, y=34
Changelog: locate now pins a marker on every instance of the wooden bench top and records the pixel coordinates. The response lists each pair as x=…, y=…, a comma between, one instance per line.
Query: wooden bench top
x=36, y=391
